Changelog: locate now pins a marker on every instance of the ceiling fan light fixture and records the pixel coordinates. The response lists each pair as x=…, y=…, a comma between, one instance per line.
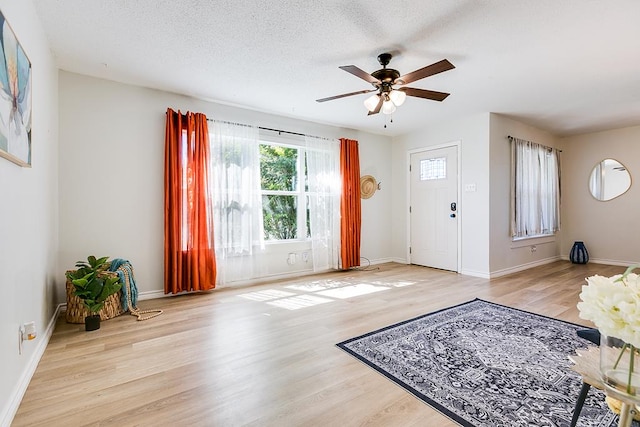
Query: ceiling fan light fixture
x=390, y=85
x=388, y=107
x=397, y=97
x=372, y=102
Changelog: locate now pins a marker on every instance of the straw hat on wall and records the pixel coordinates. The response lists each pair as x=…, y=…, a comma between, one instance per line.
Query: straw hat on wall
x=368, y=186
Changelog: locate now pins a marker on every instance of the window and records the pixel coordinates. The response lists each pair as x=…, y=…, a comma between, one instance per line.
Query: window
x=535, y=193
x=283, y=182
x=268, y=186
x=435, y=168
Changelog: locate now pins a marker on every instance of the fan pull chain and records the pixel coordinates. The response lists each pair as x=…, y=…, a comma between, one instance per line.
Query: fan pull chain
x=385, y=120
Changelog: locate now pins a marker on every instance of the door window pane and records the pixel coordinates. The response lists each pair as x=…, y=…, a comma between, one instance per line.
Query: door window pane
x=433, y=168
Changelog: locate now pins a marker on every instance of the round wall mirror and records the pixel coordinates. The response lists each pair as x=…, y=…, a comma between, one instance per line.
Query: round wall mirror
x=609, y=179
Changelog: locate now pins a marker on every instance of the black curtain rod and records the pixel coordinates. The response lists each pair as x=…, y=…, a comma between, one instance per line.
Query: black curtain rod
x=511, y=138
x=229, y=123
x=292, y=133
x=284, y=131
x=269, y=129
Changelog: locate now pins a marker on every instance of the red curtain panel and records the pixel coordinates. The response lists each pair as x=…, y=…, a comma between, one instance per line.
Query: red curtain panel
x=350, y=210
x=189, y=258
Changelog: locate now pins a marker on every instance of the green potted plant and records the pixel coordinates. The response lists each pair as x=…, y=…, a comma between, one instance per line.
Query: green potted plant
x=93, y=285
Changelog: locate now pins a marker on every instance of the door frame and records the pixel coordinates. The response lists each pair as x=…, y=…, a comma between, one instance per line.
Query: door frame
x=457, y=145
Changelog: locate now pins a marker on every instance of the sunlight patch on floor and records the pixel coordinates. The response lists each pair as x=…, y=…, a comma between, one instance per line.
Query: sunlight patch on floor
x=318, y=285
x=299, y=301
x=353, y=291
x=308, y=294
x=395, y=284
x=266, y=295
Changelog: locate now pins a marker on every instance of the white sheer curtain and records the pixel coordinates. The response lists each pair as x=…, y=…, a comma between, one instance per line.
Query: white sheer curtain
x=323, y=170
x=535, y=192
x=235, y=162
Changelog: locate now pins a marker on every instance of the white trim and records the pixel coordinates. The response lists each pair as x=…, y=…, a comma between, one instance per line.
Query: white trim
x=458, y=204
x=407, y=213
x=450, y=144
x=606, y=261
x=504, y=272
x=10, y=409
x=481, y=274
x=151, y=295
x=382, y=261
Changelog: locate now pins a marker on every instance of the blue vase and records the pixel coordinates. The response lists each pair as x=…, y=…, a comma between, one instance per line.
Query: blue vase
x=579, y=254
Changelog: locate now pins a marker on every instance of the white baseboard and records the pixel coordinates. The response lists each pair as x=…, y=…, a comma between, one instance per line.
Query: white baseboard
x=473, y=273
x=379, y=261
x=10, y=409
x=522, y=267
x=151, y=295
x=607, y=261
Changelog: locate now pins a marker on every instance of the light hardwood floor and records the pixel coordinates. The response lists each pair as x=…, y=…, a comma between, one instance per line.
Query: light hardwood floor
x=228, y=358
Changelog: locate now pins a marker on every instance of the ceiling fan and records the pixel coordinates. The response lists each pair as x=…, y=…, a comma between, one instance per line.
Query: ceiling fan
x=389, y=97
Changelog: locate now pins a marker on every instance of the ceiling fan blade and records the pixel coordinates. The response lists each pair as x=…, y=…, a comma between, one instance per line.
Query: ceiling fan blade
x=344, y=95
x=378, y=107
x=359, y=73
x=423, y=93
x=427, y=71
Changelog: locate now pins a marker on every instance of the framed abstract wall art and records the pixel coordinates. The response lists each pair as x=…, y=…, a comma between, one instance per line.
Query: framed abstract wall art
x=15, y=98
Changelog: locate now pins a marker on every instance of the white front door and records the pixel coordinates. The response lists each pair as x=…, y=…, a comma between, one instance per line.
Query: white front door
x=433, y=209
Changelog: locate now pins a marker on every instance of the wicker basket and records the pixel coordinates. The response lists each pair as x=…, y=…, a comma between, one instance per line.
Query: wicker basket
x=77, y=311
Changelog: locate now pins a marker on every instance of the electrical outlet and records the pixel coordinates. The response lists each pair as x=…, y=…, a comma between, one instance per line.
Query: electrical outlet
x=305, y=256
x=533, y=248
x=292, y=258
x=29, y=331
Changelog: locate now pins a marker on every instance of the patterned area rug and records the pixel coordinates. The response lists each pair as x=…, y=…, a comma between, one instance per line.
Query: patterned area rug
x=483, y=364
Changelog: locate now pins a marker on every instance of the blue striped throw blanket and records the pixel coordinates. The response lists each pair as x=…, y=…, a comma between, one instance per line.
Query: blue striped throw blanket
x=124, y=270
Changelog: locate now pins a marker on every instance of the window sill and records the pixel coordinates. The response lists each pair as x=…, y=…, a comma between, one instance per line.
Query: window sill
x=285, y=242
x=528, y=241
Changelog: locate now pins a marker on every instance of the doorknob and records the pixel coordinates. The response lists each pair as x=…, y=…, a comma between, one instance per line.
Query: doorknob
x=452, y=215
x=454, y=207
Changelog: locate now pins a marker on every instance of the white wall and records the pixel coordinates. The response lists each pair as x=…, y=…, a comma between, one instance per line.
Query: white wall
x=508, y=256
x=111, y=175
x=609, y=229
x=28, y=218
x=473, y=134
x=377, y=228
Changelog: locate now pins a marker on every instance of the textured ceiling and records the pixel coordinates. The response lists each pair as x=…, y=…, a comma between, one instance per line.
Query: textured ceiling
x=569, y=66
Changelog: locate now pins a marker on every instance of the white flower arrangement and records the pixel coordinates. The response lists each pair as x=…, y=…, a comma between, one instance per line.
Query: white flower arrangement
x=613, y=305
